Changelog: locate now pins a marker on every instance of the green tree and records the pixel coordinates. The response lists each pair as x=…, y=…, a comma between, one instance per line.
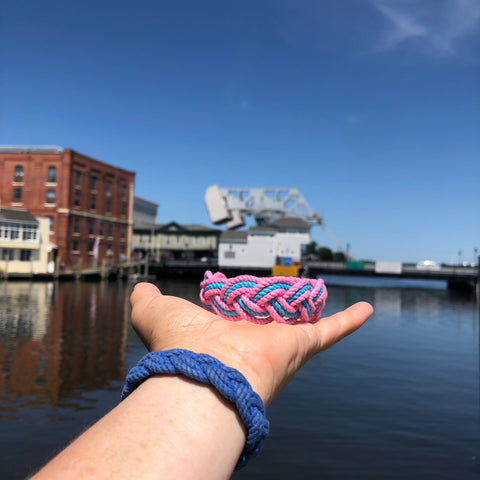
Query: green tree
x=311, y=248
x=324, y=253
x=339, y=257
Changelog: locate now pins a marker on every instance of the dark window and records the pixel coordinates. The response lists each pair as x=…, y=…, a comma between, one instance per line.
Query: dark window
x=93, y=184
x=91, y=227
x=109, y=230
x=124, y=209
x=25, y=255
x=124, y=192
x=17, y=195
x=50, y=196
x=108, y=206
x=90, y=246
x=18, y=175
x=93, y=203
x=78, y=178
x=75, y=246
x=100, y=229
x=8, y=254
x=108, y=188
x=76, y=227
x=122, y=232
x=76, y=200
x=52, y=174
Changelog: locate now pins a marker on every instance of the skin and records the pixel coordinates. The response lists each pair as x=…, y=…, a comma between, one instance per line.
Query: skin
x=172, y=427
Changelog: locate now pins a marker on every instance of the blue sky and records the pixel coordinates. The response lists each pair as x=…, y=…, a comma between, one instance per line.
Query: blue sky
x=370, y=108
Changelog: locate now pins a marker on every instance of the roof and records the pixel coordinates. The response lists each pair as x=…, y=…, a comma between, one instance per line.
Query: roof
x=266, y=229
x=291, y=222
x=30, y=149
x=17, y=215
x=174, y=227
x=234, y=236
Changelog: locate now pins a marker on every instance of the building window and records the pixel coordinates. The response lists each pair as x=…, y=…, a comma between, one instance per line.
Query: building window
x=90, y=247
x=100, y=229
x=93, y=203
x=50, y=218
x=29, y=232
x=108, y=188
x=91, y=227
x=76, y=226
x=18, y=174
x=25, y=255
x=14, y=232
x=108, y=207
x=17, y=195
x=122, y=232
x=124, y=209
x=93, y=184
x=75, y=246
x=229, y=254
x=52, y=174
x=109, y=230
x=50, y=198
x=8, y=254
x=124, y=192
x=78, y=179
x=76, y=199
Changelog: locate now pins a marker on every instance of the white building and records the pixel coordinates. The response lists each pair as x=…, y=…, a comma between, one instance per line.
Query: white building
x=264, y=246
x=24, y=243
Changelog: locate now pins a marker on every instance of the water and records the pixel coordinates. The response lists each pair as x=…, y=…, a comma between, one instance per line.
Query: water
x=398, y=399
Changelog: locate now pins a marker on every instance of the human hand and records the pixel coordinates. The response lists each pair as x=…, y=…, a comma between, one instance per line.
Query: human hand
x=267, y=355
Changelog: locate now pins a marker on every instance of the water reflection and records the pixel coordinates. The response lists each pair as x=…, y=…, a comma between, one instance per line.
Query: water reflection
x=55, y=339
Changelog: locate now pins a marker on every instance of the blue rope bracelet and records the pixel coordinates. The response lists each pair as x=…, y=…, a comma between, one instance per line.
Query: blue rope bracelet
x=230, y=383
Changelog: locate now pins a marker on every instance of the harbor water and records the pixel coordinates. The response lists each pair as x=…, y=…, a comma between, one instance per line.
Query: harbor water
x=398, y=399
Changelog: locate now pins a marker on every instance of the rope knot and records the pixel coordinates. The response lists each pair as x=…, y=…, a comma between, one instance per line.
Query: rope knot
x=263, y=300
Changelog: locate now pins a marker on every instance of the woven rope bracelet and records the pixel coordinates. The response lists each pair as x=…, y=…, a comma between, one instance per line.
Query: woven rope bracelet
x=263, y=300
x=230, y=383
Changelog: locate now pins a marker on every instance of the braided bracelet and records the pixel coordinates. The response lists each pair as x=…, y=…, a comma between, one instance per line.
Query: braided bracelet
x=230, y=383
x=262, y=300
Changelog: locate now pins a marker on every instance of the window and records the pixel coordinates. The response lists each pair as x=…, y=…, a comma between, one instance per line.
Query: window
x=78, y=179
x=7, y=254
x=90, y=247
x=18, y=174
x=25, y=255
x=93, y=183
x=76, y=199
x=17, y=195
x=108, y=207
x=75, y=246
x=51, y=222
x=229, y=254
x=91, y=227
x=124, y=192
x=122, y=232
x=109, y=230
x=100, y=229
x=76, y=227
x=29, y=232
x=93, y=203
x=124, y=209
x=52, y=174
x=108, y=188
x=50, y=196
x=14, y=232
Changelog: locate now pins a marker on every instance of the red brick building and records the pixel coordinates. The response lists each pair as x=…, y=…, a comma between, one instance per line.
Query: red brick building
x=89, y=203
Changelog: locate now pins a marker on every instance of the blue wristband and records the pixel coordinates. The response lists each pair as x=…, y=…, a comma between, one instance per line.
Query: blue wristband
x=230, y=383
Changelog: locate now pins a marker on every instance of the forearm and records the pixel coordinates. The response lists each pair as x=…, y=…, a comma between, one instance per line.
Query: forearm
x=169, y=427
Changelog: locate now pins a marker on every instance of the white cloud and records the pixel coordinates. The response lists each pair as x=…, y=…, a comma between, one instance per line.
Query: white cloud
x=436, y=25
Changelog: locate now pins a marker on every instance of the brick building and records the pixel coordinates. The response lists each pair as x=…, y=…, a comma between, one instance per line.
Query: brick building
x=89, y=203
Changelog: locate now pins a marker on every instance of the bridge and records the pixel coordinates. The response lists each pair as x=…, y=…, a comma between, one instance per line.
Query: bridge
x=455, y=276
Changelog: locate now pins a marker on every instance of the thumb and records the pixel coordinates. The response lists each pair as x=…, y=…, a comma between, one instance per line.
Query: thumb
x=143, y=292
